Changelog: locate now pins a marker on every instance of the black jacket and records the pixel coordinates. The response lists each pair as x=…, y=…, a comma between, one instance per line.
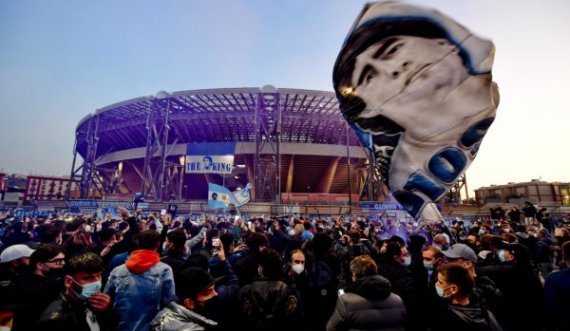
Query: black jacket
x=369, y=305
x=466, y=318
x=268, y=305
x=67, y=315
x=176, y=260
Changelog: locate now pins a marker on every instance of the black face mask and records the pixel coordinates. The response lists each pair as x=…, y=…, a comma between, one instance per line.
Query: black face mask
x=22, y=269
x=55, y=273
x=211, y=309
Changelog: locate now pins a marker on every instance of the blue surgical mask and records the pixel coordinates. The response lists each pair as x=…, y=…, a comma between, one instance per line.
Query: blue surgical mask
x=481, y=232
x=428, y=265
x=88, y=290
x=501, y=256
x=440, y=291
x=407, y=261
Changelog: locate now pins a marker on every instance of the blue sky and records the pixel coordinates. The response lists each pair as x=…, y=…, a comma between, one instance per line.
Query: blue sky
x=61, y=60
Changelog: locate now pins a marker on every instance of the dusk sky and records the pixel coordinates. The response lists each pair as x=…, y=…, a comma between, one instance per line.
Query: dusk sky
x=62, y=60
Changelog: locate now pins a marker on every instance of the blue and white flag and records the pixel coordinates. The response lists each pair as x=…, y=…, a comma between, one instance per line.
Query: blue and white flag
x=242, y=197
x=219, y=197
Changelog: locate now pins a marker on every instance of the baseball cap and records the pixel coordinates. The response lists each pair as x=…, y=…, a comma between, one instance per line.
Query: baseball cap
x=15, y=252
x=460, y=251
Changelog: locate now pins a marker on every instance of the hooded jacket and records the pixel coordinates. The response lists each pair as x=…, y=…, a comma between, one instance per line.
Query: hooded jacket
x=466, y=318
x=369, y=305
x=176, y=317
x=139, y=289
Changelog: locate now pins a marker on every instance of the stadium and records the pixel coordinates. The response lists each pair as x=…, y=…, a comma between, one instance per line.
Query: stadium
x=291, y=145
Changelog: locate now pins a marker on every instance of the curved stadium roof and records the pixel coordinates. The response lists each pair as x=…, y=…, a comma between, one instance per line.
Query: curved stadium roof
x=220, y=115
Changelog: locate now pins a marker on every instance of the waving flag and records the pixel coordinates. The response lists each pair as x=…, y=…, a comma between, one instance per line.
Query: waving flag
x=416, y=87
x=219, y=197
x=242, y=197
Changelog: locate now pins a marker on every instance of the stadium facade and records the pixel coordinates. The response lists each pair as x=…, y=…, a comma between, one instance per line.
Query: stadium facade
x=290, y=144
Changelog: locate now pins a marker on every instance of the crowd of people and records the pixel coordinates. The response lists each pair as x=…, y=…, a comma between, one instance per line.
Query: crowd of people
x=150, y=272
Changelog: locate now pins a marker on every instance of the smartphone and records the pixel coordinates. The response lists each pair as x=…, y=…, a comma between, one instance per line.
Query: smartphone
x=215, y=241
x=162, y=212
x=340, y=292
x=216, y=245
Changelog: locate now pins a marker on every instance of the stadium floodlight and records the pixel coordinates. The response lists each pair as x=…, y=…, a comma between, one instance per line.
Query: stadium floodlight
x=162, y=95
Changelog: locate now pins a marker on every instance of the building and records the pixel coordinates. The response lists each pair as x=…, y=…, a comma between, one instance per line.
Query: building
x=285, y=142
x=42, y=188
x=538, y=192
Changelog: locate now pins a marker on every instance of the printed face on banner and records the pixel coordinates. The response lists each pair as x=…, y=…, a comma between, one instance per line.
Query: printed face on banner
x=400, y=74
x=216, y=164
x=416, y=86
x=207, y=162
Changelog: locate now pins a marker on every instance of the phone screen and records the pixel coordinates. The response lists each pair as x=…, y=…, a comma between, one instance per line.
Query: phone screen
x=163, y=212
x=216, y=242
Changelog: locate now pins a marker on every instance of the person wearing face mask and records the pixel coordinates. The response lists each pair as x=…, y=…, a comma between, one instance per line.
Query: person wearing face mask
x=394, y=264
x=195, y=289
x=296, y=267
x=39, y=285
x=485, y=291
x=458, y=312
x=297, y=277
x=432, y=258
x=511, y=275
x=81, y=306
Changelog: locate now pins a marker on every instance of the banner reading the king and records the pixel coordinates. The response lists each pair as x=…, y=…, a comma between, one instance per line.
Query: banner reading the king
x=210, y=158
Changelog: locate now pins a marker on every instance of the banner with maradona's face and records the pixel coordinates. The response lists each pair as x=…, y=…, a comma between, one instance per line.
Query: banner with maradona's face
x=416, y=87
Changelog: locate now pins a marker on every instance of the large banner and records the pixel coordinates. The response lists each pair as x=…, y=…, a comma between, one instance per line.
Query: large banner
x=210, y=158
x=416, y=87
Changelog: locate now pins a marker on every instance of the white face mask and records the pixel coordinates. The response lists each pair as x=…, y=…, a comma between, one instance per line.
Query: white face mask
x=407, y=261
x=428, y=265
x=298, y=268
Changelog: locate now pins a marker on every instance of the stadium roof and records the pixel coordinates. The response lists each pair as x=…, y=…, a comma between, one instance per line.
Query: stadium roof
x=220, y=115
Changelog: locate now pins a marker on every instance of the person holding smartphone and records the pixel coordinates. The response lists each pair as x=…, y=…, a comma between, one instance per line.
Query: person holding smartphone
x=369, y=303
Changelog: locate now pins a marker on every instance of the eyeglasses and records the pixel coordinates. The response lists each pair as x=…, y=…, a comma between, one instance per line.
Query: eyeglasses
x=57, y=261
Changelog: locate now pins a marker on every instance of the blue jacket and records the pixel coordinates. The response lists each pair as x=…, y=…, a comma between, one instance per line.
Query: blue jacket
x=140, y=289
x=557, y=300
